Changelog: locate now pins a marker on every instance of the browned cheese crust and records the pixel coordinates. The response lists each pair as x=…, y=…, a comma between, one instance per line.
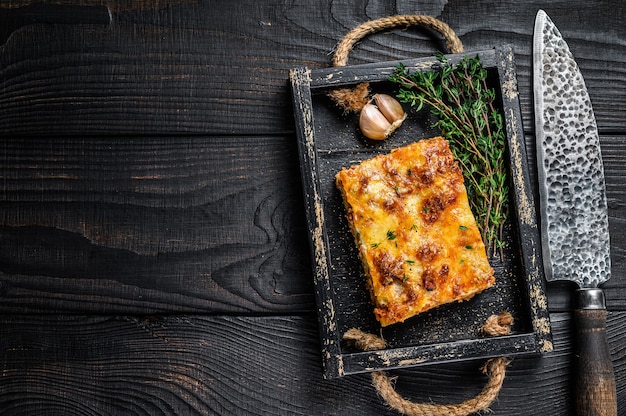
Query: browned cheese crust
x=416, y=235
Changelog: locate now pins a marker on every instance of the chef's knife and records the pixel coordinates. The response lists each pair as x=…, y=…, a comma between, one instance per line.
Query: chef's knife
x=574, y=219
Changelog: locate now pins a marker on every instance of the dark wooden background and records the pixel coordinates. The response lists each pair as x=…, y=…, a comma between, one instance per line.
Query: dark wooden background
x=153, y=249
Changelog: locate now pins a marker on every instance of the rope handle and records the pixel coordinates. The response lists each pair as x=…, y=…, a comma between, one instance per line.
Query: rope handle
x=353, y=99
x=345, y=46
x=495, y=368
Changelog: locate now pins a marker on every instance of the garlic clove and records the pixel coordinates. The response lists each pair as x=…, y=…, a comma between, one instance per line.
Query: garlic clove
x=374, y=125
x=390, y=107
x=379, y=120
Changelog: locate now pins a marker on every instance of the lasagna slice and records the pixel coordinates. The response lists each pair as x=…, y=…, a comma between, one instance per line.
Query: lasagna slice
x=416, y=235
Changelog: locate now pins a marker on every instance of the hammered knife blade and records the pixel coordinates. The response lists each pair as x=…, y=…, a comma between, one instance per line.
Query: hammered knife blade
x=574, y=217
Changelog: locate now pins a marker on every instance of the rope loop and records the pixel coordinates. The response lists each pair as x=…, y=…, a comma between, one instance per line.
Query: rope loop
x=494, y=368
x=347, y=43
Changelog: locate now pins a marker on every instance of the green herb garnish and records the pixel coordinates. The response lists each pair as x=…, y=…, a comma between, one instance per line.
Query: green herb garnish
x=459, y=96
x=391, y=235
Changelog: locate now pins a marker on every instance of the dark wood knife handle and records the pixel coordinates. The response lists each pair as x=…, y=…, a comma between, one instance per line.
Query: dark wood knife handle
x=595, y=383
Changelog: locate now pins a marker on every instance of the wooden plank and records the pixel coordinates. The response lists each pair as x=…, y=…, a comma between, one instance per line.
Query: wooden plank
x=114, y=224
x=162, y=224
x=221, y=67
x=244, y=366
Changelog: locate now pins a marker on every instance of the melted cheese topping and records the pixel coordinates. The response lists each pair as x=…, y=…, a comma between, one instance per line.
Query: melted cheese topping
x=417, y=237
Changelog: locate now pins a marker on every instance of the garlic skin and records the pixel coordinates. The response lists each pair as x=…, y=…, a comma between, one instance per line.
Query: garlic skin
x=377, y=121
x=373, y=123
x=390, y=107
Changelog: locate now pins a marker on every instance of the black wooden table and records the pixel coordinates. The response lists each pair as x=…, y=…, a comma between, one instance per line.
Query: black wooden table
x=153, y=248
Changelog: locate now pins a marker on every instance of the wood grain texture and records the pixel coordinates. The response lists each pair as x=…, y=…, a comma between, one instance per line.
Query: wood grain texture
x=188, y=365
x=221, y=67
x=153, y=225
x=149, y=166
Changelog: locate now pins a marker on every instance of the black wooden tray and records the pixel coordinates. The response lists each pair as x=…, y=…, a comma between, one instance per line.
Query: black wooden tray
x=329, y=140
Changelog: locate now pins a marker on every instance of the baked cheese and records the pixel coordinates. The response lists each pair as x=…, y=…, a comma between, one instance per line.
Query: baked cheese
x=416, y=235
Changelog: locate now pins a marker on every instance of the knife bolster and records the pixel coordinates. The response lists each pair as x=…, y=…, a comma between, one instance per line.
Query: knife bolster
x=590, y=298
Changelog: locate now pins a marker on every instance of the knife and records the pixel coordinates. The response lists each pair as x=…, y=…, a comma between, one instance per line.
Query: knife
x=574, y=218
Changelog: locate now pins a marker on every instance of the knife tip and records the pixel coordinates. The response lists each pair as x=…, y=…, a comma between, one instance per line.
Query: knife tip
x=542, y=15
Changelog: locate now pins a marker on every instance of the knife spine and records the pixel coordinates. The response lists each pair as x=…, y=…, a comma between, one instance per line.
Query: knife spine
x=539, y=137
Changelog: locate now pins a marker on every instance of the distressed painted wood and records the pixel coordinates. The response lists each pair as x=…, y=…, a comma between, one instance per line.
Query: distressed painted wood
x=327, y=143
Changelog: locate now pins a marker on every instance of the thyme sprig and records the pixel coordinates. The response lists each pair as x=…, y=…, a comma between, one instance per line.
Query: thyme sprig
x=459, y=96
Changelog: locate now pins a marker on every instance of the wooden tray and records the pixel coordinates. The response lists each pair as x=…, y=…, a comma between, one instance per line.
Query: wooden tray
x=329, y=140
